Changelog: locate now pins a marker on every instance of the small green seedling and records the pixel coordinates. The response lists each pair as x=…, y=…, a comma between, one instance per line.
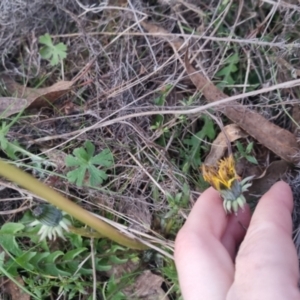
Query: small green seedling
x=227, y=72
x=246, y=153
x=160, y=101
x=53, y=53
x=84, y=160
x=10, y=148
x=195, y=143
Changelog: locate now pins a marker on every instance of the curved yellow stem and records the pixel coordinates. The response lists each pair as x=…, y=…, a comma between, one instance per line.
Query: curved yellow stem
x=42, y=190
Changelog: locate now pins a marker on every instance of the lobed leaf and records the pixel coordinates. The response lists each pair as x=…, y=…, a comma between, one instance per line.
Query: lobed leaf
x=46, y=40
x=85, y=162
x=96, y=176
x=7, y=237
x=54, y=53
x=24, y=260
x=81, y=154
x=72, y=161
x=90, y=149
x=104, y=158
x=77, y=176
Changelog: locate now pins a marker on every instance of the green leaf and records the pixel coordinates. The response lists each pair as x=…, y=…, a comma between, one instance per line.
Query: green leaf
x=233, y=59
x=81, y=154
x=101, y=265
x=240, y=147
x=46, y=52
x=39, y=257
x=252, y=159
x=72, y=161
x=59, y=52
x=71, y=255
x=115, y=248
x=50, y=266
x=194, y=153
x=113, y=290
x=96, y=176
x=24, y=259
x=11, y=150
x=77, y=175
x=7, y=237
x=208, y=129
x=85, y=162
x=54, y=53
x=186, y=194
x=46, y=40
x=227, y=71
x=104, y=158
x=75, y=239
x=116, y=260
x=90, y=149
x=3, y=143
x=72, y=267
x=178, y=198
x=2, y=257
x=249, y=148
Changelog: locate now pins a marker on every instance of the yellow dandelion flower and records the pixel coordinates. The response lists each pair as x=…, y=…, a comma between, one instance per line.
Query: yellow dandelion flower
x=225, y=180
x=222, y=176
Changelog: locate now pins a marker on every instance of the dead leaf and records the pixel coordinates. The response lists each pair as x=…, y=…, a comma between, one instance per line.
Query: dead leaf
x=296, y=118
x=14, y=291
x=10, y=106
x=140, y=213
x=37, y=98
x=272, y=174
x=176, y=42
x=143, y=70
x=231, y=133
x=148, y=287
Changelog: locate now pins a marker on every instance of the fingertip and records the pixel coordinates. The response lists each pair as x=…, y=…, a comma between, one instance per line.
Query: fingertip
x=203, y=264
x=208, y=214
x=267, y=257
x=272, y=213
x=276, y=203
x=280, y=192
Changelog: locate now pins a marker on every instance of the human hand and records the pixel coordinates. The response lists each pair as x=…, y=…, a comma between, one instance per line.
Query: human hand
x=266, y=264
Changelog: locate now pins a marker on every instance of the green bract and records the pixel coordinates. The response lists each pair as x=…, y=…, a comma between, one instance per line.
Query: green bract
x=52, y=221
x=233, y=197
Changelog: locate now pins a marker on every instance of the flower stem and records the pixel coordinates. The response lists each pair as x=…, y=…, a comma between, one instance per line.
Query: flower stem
x=45, y=192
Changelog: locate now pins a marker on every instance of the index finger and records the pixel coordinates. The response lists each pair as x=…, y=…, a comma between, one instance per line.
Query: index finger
x=204, y=265
x=267, y=263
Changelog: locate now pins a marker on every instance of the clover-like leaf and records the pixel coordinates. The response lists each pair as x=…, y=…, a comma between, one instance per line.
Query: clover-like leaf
x=54, y=53
x=96, y=176
x=85, y=162
x=90, y=148
x=72, y=161
x=104, y=158
x=77, y=176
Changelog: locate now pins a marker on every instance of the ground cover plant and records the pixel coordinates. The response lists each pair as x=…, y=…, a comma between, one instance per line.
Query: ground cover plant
x=116, y=105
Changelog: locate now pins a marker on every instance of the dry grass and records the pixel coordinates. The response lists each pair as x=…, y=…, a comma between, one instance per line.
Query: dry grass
x=115, y=102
